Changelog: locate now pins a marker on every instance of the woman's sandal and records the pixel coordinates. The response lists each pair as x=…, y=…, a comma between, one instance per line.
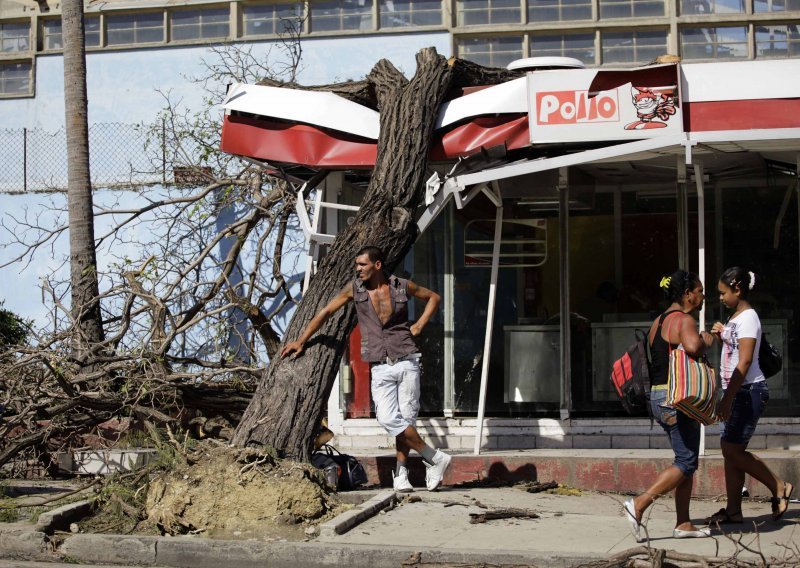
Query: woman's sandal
x=781, y=504
x=723, y=517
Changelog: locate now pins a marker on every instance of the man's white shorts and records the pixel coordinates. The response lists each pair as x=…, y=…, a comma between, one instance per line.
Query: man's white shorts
x=395, y=390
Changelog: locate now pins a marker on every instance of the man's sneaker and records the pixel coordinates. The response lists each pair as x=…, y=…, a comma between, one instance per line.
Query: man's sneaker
x=401, y=483
x=435, y=472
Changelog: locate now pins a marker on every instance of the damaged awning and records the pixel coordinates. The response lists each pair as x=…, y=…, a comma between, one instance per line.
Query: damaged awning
x=322, y=130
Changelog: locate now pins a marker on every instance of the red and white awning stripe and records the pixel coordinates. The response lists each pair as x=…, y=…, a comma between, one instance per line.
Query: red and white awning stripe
x=323, y=130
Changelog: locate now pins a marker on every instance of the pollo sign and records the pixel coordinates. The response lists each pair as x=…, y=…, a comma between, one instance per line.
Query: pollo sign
x=578, y=105
x=572, y=107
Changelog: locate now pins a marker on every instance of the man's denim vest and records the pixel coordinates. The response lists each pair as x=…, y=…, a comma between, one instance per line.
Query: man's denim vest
x=393, y=339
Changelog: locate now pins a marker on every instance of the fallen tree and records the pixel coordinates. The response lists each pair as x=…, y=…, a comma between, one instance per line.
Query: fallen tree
x=291, y=396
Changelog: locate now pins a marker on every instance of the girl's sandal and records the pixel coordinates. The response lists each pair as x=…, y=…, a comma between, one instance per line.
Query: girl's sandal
x=723, y=517
x=781, y=504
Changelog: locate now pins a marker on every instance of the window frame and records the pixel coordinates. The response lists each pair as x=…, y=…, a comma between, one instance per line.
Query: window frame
x=562, y=35
x=31, y=78
x=369, y=9
x=243, y=21
x=789, y=40
x=489, y=38
x=200, y=9
x=714, y=56
x=109, y=16
x=490, y=10
x=410, y=13
x=632, y=4
x=29, y=38
x=560, y=6
x=636, y=47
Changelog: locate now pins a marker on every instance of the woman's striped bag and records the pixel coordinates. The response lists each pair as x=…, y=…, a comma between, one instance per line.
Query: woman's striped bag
x=692, y=387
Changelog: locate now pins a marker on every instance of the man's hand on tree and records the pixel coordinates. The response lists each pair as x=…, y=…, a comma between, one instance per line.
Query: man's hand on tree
x=295, y=347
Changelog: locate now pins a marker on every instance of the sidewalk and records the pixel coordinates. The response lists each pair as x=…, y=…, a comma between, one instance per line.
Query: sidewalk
x=571, y=530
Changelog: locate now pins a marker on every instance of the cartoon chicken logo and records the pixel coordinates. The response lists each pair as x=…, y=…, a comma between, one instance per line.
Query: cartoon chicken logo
x=653, y=108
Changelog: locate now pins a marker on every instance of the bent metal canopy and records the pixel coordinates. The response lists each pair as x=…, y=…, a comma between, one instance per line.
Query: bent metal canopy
x=323, y=130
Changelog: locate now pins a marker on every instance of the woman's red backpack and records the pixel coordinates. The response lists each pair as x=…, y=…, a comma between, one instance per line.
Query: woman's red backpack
x=631, y=375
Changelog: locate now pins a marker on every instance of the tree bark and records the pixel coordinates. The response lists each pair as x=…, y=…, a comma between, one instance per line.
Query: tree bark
x=289, y=401
x=85, y=306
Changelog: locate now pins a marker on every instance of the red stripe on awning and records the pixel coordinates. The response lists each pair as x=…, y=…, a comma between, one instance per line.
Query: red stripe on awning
x=484, y=132
x=295, y=144
x=750, y=114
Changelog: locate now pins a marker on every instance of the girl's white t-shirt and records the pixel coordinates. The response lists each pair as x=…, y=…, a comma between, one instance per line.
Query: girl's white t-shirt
x=745, y=325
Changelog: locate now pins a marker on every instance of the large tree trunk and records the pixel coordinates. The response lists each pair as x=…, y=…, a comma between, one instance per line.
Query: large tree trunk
x=83, y=263
x=290, y=399
x=291, y=396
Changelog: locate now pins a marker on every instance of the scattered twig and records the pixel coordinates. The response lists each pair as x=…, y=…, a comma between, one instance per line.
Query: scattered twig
x=511, y=513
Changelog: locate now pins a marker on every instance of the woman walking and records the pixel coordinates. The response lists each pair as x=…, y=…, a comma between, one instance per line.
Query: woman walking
x=674, y=329
x=745, y=397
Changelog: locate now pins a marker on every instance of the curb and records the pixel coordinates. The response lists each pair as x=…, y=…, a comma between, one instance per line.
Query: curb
x=21, y=541
x=195, y=552
x=61, y=517
x=358, y=514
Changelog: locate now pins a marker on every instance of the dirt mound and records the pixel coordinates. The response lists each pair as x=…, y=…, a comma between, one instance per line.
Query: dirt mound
x=234, y=493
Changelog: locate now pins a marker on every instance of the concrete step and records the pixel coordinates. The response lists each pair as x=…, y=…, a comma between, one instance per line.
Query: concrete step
x=458, y=434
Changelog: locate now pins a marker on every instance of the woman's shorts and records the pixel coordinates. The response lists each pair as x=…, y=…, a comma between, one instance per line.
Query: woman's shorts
x=748, y=406
x=683, y=432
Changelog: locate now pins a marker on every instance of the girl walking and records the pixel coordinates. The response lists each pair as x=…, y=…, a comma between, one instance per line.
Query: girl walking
x=745, y=397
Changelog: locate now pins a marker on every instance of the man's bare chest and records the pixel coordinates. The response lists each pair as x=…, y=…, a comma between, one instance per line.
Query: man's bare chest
x=381, y=301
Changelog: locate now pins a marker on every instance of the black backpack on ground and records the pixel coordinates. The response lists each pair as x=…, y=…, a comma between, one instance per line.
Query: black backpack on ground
x=350, y=472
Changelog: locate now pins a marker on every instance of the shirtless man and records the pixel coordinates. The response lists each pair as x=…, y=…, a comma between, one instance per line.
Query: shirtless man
x=388, y=345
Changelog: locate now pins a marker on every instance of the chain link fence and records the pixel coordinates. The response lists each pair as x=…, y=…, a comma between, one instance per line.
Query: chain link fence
x=120, y=156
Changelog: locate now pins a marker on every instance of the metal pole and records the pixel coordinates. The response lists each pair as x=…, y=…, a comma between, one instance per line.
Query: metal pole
x=563, y=269
x=449, y=322
x=24, y=159
x=701, y=260
x=164, y=151
x=487, y=342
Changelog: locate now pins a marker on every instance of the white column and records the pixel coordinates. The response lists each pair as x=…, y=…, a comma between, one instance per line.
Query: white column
x=701, y=259
x=487, y=342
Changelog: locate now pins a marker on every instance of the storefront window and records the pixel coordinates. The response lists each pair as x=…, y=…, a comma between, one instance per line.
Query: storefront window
x=769, y=249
